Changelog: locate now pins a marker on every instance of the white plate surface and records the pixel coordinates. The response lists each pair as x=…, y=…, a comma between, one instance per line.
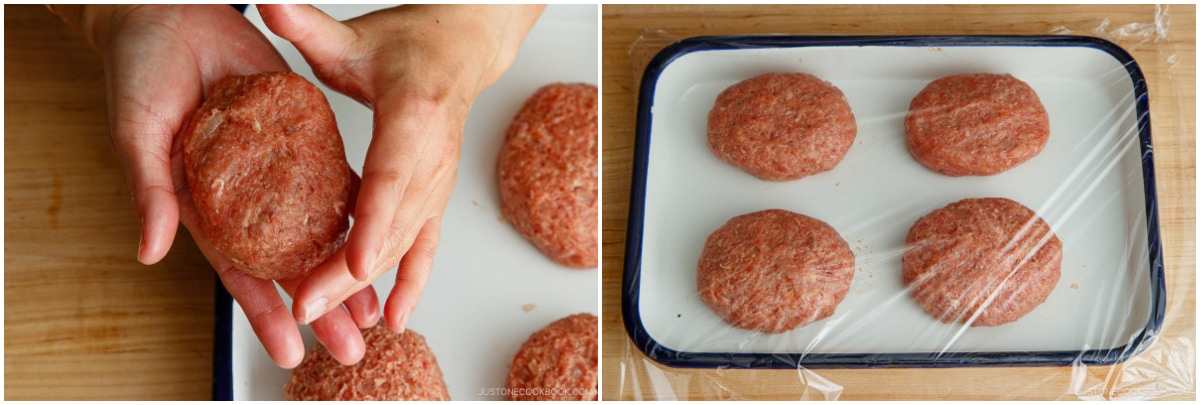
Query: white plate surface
x=1086, y=183
x=472, y=312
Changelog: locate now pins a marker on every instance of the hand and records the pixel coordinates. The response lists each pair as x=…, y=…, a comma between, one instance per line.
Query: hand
x=159, y=61
x=419, y=68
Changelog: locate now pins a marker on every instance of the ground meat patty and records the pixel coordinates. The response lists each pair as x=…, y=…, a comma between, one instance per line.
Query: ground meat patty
x=781, y=126
x=558, y=362
x=990, y=259
x=774, y=270
x=976, y=124
x=548, y=173
x=396, y=367
x=268, y=174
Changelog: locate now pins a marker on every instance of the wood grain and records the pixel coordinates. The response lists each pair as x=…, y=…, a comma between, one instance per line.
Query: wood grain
x=83, y=320
x=1164, y=47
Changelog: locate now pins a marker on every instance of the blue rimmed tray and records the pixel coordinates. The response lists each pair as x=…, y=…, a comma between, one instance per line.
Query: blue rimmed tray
x=1093, y=183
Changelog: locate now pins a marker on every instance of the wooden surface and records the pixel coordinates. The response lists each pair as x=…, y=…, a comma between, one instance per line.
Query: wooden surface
x=82, y=318
x=1166, y=370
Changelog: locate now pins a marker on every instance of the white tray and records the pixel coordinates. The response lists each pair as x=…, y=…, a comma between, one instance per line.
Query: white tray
x=473, y=311
x=1092, y=183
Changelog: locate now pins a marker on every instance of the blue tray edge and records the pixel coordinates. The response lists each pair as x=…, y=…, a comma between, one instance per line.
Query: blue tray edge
x=634, y=227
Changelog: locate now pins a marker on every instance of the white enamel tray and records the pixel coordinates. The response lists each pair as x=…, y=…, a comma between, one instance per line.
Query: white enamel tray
x=490, y=288
x=1093, y=183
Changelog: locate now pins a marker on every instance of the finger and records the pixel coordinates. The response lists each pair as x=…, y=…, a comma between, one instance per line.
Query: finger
x=339, y=334
x=363, y=307
x=380, y=195
x=268, y=316
x=325, y=287
x=337, y=329
x=319, y=38
x=383, y=226
x=147, y=166
x=412, y=276
x=142, y=132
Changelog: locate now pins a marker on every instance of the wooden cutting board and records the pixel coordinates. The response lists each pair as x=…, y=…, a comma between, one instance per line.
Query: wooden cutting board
x=83, y=320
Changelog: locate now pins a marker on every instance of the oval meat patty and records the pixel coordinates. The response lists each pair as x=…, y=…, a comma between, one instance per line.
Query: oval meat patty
x=781, y=126
x=268, y=174
x=558, y=362
x=981, y=261
x=548, y=173
x=976, y=124
x=774, y=270
x=395, y=367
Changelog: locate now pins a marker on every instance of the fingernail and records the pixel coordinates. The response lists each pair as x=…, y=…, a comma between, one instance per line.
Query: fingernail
x=359, y=272
x=373, y=315
x=404, y=319
x=141, y=237
x=314, y=309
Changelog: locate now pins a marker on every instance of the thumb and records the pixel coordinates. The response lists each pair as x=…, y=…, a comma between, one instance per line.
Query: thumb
x=319, y=37
x=147, y=160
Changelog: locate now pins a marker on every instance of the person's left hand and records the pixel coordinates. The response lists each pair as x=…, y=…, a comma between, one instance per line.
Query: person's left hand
x=159, y=62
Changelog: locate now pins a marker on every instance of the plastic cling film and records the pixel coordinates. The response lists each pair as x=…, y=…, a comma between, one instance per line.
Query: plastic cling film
x=645, y=47
x=1111, y=320
x=877, y=192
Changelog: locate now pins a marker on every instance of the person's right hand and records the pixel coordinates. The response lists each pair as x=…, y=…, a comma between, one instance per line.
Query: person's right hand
x=419, y=68
x=159, y=62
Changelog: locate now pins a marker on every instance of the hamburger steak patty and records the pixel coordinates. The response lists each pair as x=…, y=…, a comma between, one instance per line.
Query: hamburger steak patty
x=268, y=174
x=781, y=126
x=774, y=270
x=558, y=362
x=981, y=261
x=976, y=124
x=548, y=173
x=395, y=367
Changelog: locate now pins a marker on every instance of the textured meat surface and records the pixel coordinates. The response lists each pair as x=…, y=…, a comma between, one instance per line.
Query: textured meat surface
x=396, y=367
x=548, y=173
x=558, y=362
x=781, y=126
x=985, y=261
x=774, y=270
x=976, y=124
x=268, y=174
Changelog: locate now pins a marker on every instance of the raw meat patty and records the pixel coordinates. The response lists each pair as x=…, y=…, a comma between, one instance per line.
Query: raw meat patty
x=268, y=174
x=396, y=367
x=983, y=262
x=774, y=270
x=548, y=179
x=976, y=124
x=558, y=362
x=781, y=126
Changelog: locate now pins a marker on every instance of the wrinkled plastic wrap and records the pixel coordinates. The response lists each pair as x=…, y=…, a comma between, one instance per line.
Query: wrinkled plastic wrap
x=1093, y=184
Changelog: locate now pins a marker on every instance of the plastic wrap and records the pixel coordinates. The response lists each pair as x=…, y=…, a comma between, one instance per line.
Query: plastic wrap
x=1093, y=184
